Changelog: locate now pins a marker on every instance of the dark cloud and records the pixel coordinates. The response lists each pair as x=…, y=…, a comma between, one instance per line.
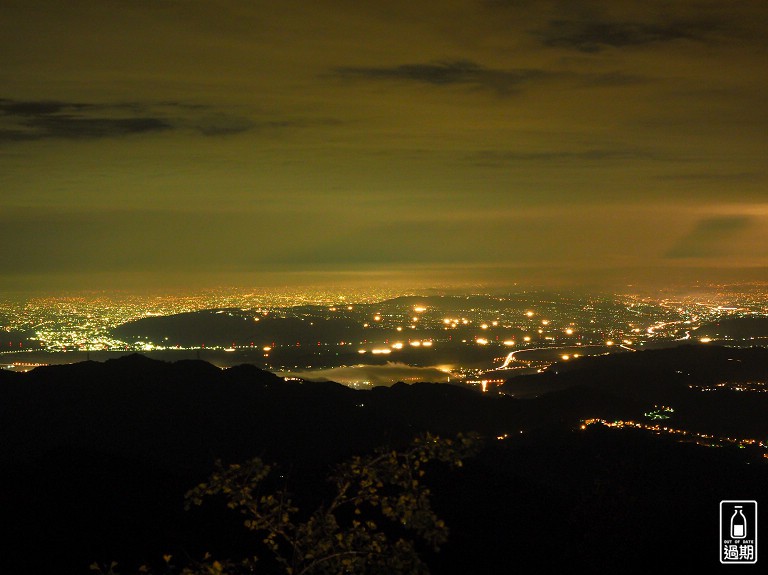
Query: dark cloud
x=593, y=36
x=711, y=237
x=36, y=109
x=73, y=127
x=49, y=119
x=471, y=74
x=448, y=73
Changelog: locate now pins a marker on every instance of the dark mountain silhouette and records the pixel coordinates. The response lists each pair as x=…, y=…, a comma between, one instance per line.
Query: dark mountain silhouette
x=297, y=337
x=736, y=328
x=97, y=456
x=184, y=414
x=222, y=327
x=673, y=377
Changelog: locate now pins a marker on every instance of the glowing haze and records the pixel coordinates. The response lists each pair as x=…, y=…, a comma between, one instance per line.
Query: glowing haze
x=173, y=143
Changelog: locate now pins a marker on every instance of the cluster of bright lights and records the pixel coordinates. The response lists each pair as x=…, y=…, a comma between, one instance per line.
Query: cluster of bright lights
x=84, y=323
x=706, y=439
x=455, y=322
x=398, y=345
x=659, y=412
x=740, y=386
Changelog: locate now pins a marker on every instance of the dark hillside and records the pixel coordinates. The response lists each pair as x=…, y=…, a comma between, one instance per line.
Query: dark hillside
x=97, y=457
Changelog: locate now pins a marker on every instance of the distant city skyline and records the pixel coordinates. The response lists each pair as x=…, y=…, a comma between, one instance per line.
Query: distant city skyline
x=471, y=143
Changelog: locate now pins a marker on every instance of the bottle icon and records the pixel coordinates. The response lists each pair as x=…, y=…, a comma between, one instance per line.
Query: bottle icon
x=738, y=524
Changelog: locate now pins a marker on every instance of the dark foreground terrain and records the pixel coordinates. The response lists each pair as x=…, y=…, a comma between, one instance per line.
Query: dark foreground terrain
x=97, y=457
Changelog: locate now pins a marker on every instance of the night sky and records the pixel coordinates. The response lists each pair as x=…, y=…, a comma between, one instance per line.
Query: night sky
x=148, y=144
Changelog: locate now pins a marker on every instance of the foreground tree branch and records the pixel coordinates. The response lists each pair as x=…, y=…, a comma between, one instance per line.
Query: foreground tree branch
x=380, y=509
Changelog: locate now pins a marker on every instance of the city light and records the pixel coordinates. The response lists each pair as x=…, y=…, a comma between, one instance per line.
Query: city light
x=70, y=324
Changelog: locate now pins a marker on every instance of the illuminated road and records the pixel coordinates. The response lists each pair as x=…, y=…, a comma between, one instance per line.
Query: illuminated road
x=511, y=356
x=581, y=350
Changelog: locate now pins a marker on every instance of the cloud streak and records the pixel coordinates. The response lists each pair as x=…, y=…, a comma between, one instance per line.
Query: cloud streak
x=469, y=74
x=592, y=26
x=48, y=119
x=591, y=36
x=448, y=73
x=24, y=121
x=711, y=237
